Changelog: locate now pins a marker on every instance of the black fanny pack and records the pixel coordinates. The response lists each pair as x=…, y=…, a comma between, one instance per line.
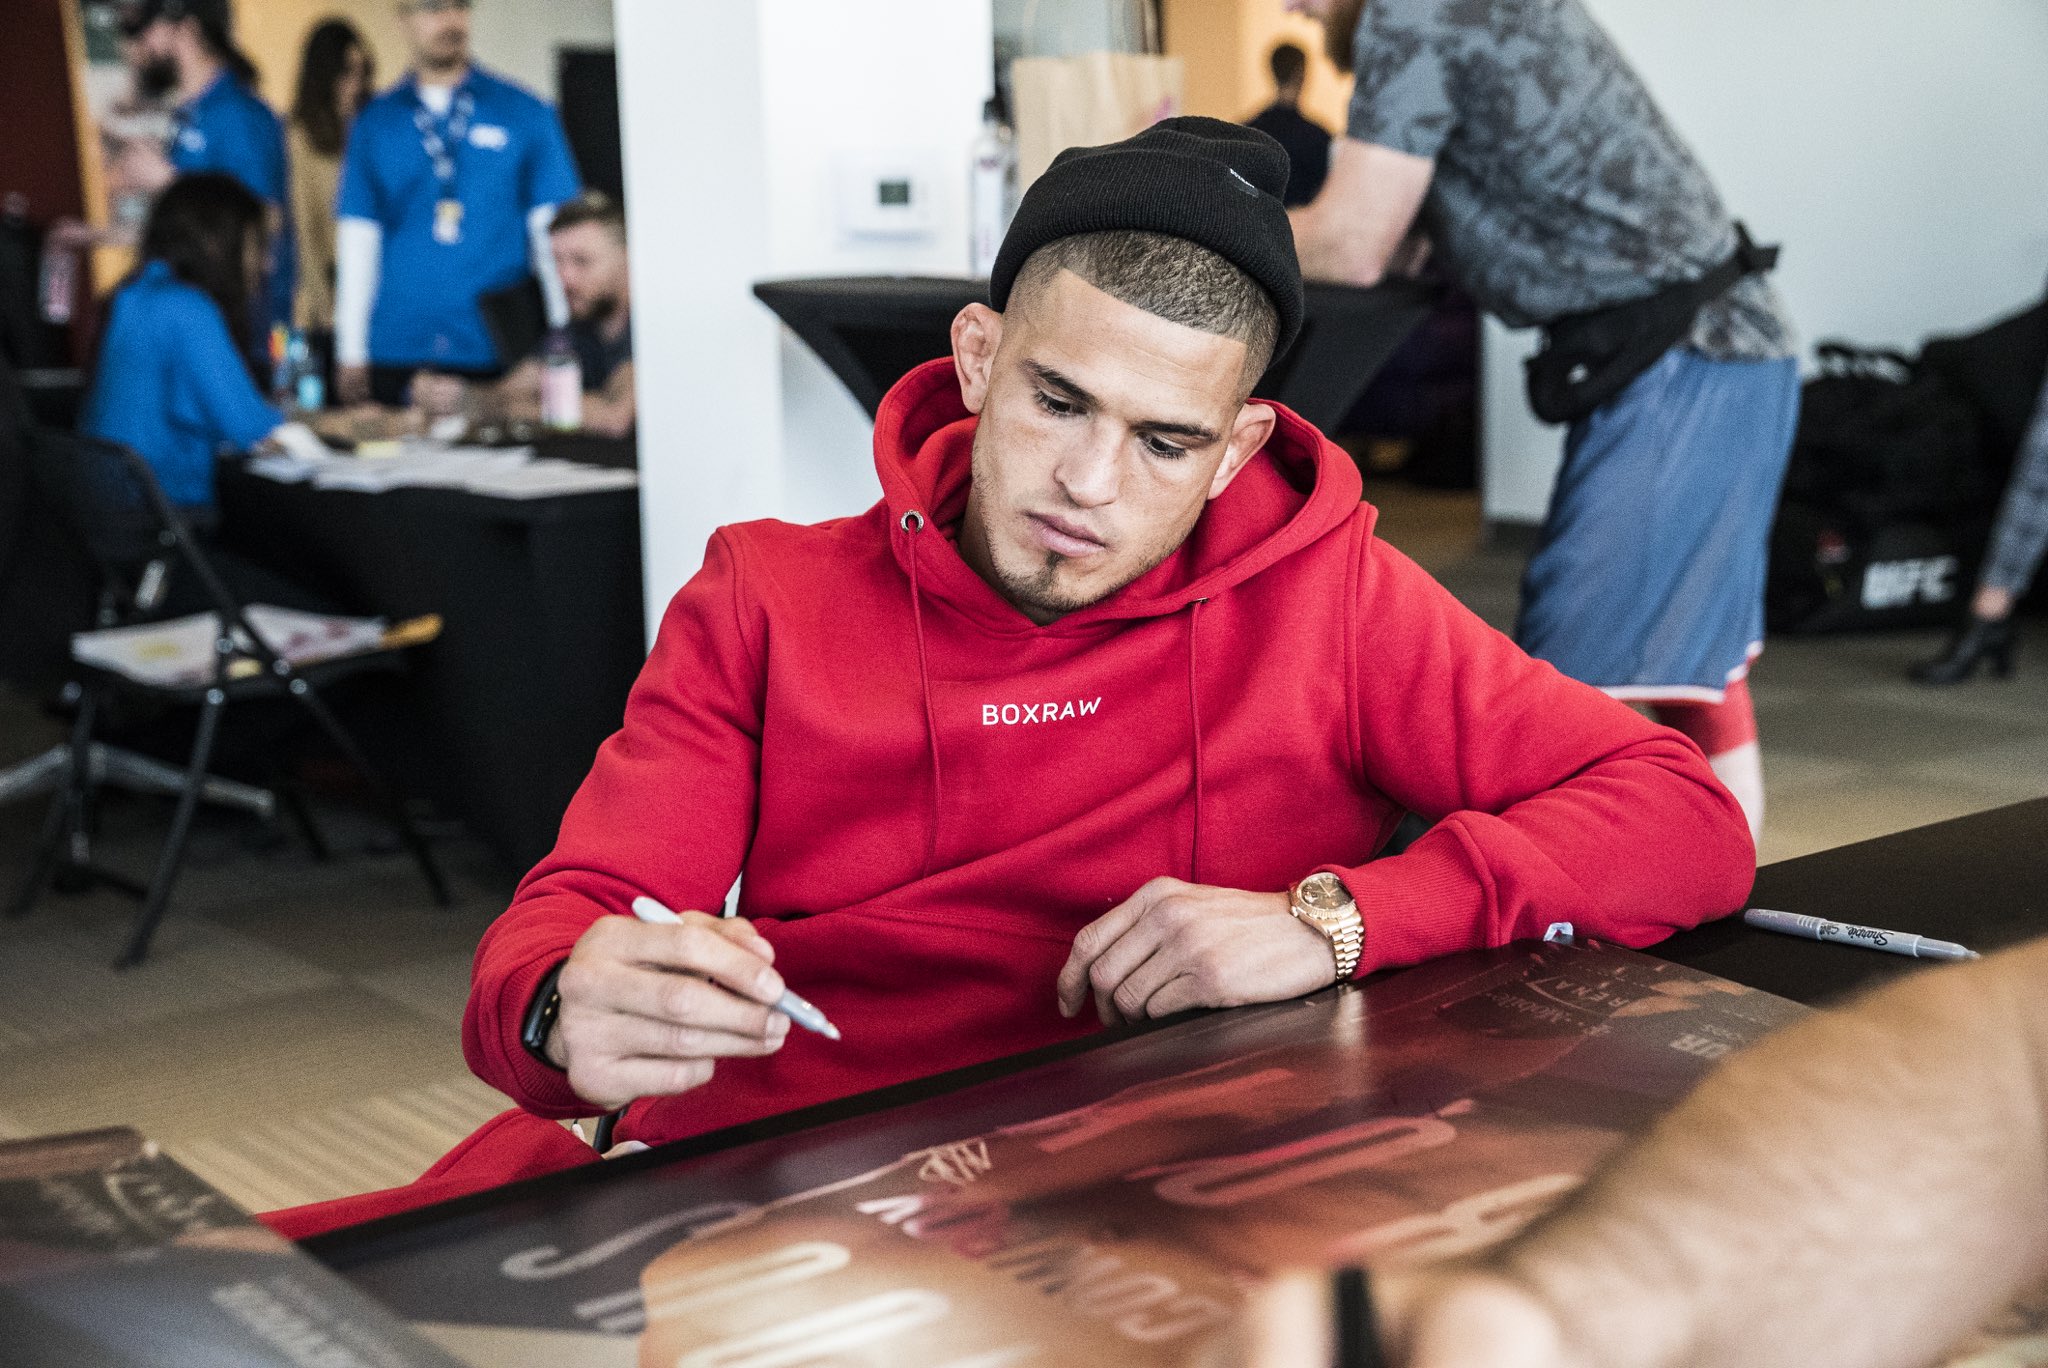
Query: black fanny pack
x=1588, y=358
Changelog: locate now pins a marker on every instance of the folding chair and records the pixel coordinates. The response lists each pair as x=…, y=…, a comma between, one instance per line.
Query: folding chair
x=110, y=500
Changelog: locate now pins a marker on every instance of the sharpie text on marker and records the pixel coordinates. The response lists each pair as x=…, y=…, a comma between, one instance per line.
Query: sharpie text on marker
x=1847, y=933
x=789, y=1004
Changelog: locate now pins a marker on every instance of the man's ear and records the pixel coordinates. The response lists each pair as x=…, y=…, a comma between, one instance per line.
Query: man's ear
x=977, y=332
x=1248, y=437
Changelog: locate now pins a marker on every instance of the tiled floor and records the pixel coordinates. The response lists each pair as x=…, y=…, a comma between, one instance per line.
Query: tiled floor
x=294, y=1033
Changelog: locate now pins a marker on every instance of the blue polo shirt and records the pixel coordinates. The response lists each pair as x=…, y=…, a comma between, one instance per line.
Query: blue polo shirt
x=170, y=384
x=510, y=159
x=226, y=128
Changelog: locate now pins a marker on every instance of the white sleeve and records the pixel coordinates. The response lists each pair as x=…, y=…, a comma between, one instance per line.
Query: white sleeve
x=358, y=260
x=537, y=222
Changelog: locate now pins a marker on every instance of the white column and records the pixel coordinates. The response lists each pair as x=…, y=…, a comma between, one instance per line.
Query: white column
x=743, y=125
x=692, y=115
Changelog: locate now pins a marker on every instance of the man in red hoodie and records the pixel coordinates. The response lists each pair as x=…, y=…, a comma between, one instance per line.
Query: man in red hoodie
x=1101, y=713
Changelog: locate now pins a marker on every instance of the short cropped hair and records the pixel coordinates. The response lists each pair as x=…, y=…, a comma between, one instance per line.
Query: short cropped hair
x=592, y=206
x=1172, y=278
x=1290, y=65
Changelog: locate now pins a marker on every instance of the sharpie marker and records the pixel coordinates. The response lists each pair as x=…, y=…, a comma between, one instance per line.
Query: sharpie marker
x=1870, y=937
x=789, y=1004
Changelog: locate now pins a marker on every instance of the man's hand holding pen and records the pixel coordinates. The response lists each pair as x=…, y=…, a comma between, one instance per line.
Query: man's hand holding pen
x=648, y=1010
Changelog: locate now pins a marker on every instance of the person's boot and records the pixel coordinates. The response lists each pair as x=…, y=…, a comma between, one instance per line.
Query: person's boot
x=1980, y=641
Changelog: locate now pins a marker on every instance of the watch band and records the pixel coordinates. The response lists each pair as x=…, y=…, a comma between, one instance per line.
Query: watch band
x=1341, y=925
x=541, y=1012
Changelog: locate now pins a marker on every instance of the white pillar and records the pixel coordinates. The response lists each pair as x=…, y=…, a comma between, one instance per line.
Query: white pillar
x=743, y=123
x=691, y=103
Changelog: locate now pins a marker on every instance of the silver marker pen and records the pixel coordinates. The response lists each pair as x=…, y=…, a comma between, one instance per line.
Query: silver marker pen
x=1845, y=933
x=789, y=1004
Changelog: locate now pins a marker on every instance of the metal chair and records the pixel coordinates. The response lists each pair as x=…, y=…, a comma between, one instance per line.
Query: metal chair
x=110, y=500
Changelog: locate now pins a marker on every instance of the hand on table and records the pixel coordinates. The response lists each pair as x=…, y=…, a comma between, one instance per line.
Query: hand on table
x=1429, y=1319
x=1175, y=945
x=352, y=384
x=438, y=395
x=648, y=1010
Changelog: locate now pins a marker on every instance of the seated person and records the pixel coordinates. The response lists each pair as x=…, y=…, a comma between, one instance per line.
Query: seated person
x=175, y=378
x=588, y=237
x=1100, y=714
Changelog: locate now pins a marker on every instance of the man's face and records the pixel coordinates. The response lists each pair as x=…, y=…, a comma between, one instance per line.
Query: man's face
x=1104, y=431
x=1314, y=9
x=438, y=31
x=591, y=261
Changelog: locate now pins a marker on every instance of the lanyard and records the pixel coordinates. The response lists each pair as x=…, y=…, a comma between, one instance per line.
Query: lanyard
x=440, y=148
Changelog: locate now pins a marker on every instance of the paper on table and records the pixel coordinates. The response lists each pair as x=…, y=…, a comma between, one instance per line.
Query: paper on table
x=179, y=652
x=499, y=472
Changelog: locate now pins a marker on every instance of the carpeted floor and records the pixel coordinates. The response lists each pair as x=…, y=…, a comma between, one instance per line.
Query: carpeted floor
x=294, y=1035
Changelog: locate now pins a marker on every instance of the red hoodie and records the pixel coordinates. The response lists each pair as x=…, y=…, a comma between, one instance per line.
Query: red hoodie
x=929, y=795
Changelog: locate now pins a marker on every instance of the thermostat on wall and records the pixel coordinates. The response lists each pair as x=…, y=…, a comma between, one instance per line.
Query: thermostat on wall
x=887, y=194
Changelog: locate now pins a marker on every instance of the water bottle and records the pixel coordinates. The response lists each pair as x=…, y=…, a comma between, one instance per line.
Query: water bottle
x=309, y=384
x=561, y=383
x=59, y=284
x=283, y=382
x=991, y=189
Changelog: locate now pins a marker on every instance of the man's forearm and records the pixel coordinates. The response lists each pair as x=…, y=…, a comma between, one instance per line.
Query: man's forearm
x=1862, y=1189
x=1327, y=252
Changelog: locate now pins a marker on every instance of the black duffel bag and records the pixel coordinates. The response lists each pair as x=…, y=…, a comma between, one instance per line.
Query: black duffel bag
x=1887, y=500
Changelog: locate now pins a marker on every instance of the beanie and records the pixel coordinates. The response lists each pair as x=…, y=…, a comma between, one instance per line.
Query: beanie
x=1216, y=184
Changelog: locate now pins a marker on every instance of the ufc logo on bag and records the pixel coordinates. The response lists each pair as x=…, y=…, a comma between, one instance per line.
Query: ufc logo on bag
x=1024, y=714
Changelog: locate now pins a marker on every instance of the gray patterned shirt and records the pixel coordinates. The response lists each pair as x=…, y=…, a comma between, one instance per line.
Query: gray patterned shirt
x=1559, y=187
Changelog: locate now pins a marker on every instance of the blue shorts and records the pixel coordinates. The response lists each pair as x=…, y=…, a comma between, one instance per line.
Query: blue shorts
x=1648, y=579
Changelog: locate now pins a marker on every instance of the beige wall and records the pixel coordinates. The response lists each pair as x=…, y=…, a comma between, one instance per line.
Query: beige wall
x=516, y=38
x=273, y=32
x=1223, y=45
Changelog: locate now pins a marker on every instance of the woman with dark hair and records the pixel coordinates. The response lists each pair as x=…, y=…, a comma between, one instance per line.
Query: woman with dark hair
x=176, y=376
x=336, y=75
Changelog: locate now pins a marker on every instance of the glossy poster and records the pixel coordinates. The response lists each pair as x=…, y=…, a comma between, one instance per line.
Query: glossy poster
x=1106, y=1208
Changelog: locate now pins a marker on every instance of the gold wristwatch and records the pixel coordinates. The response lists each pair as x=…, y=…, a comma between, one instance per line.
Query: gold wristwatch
x=1326, y=904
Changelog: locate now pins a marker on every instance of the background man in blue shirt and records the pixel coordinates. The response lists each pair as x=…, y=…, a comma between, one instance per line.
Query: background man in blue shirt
x=447, y=188
x=186, y=51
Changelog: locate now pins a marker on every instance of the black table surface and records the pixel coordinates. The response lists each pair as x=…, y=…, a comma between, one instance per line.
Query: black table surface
x=871, y=330
x=1978, y=880
x=1981, y=881
x=542, y=637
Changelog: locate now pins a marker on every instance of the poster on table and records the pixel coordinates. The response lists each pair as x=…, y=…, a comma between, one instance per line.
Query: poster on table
x=1106, y=1208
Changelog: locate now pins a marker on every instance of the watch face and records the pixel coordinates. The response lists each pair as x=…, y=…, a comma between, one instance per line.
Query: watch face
x=1323, y=893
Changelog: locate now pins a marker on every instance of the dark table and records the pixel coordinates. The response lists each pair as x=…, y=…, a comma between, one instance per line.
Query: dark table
x=1981, y=881
x=543, y=631
x=871, y=330
x=1978, y=880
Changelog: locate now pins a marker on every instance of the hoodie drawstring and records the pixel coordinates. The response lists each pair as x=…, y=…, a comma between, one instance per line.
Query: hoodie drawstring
x=913, y=522
x=1195, y=722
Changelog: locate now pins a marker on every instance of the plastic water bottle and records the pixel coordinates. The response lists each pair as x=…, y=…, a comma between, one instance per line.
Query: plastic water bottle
x=991, y=189
x=561, y=383
x=309, y=385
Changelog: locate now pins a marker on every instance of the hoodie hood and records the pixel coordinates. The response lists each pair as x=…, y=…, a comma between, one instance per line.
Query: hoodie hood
x=1299, y=488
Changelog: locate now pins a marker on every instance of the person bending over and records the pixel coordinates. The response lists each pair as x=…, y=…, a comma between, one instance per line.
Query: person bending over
x=1113, y=681
x=1553, y=190
x=1862, y=1190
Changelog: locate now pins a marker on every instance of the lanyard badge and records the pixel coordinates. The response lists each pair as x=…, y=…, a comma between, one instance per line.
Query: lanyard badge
x=448, y=221
x=440, y=149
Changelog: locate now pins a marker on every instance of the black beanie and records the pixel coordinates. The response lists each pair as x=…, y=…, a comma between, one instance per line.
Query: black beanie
x=1216, y=184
